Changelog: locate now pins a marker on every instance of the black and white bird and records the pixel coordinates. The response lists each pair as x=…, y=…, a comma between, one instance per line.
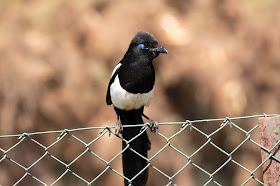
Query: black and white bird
x=130, y=89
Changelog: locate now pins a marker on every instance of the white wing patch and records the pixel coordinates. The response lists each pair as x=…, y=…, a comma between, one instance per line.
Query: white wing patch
x=116, y=68
x=128, y=101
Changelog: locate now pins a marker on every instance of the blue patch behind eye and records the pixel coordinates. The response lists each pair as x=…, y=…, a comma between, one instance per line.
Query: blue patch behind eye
x=142, y=47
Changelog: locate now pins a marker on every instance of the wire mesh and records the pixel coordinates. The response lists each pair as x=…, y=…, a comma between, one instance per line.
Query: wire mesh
x=211, y=176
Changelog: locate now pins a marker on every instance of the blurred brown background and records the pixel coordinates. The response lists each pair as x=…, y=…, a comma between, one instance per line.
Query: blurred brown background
x=56, y=59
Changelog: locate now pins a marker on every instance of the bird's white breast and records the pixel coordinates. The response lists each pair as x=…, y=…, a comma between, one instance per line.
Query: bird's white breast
x=128, y=101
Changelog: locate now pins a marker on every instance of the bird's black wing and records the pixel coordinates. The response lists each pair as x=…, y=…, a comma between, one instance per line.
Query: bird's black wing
x=115, y=73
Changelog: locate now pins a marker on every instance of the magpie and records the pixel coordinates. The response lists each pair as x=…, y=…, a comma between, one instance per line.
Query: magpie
x=130, y=89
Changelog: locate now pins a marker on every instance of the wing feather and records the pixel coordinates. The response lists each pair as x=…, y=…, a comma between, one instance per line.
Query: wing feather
x=113, y=76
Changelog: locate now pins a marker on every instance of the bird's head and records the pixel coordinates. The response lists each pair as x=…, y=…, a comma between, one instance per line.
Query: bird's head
x=145, y=43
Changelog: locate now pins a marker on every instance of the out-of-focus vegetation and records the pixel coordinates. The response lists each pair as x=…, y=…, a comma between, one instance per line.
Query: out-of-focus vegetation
x=56, y=58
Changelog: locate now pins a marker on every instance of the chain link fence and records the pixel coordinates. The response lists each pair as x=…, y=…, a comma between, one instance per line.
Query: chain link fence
x=208, y=132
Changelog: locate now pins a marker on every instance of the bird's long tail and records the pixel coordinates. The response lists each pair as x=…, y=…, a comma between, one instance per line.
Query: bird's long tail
x=133, y=163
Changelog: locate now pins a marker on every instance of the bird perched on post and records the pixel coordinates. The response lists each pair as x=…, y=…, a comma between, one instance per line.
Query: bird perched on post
x=130, y=89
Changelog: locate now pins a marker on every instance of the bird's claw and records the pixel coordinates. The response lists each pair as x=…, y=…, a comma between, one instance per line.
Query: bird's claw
x=118, y=128
x=153, y=125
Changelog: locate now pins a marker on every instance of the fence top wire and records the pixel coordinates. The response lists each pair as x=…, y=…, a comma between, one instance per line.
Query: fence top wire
x=139, y=125
x=104, y=130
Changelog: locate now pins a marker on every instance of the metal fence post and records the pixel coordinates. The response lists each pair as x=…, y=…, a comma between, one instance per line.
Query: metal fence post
x=270, y=139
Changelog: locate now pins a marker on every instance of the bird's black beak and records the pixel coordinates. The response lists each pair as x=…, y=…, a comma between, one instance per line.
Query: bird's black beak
x=159, y=49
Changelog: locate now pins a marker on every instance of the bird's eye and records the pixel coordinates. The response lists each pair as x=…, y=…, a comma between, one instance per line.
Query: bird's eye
x=142, y=46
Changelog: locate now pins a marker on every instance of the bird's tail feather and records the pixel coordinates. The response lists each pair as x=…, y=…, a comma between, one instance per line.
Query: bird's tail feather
x=132, y=162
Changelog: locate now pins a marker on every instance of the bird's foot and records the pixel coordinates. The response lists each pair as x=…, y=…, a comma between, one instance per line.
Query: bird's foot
x=118, y=128
x=153, y=125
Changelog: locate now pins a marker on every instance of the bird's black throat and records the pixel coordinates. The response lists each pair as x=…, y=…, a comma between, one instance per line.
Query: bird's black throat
x=143, y=75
